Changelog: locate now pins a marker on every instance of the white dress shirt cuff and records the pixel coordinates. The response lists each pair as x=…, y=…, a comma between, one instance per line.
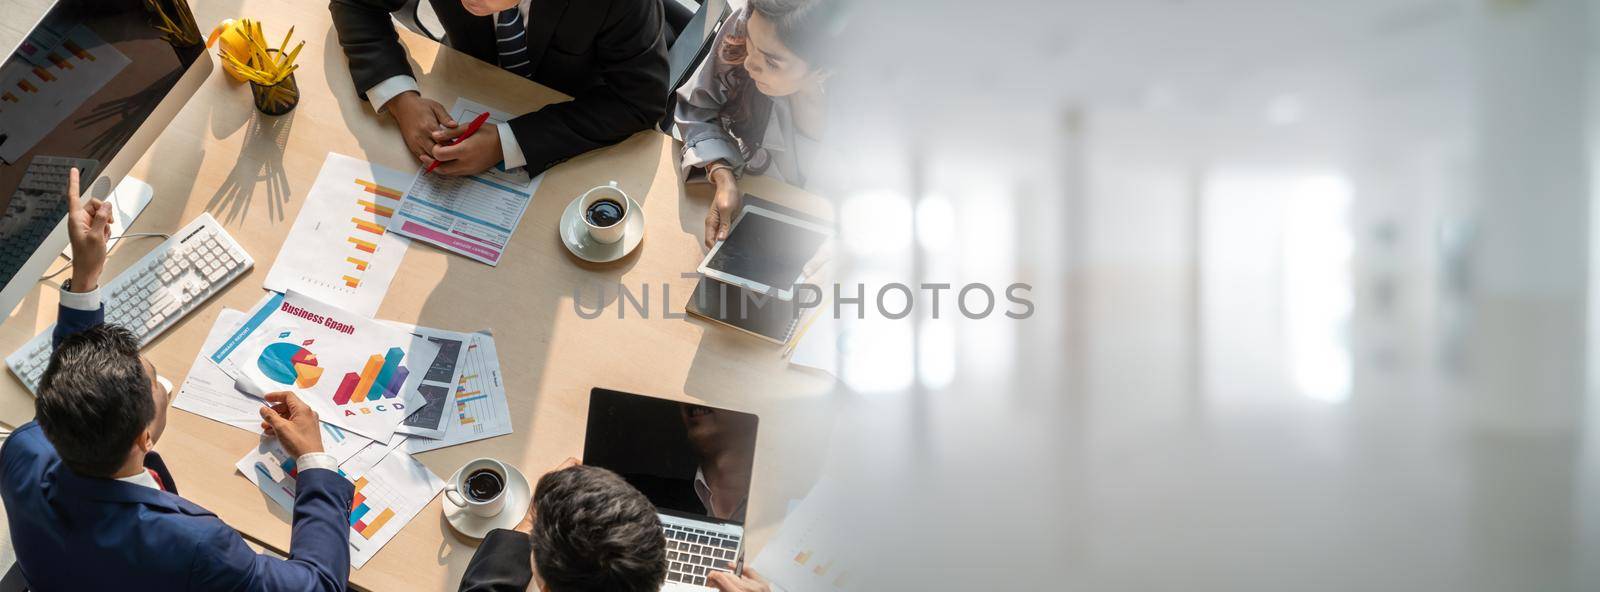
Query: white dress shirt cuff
x=316, y=460
x=510, y=150
x=86, y=301
x=380, y=93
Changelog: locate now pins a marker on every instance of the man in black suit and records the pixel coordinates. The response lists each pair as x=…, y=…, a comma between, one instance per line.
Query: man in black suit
x=586, y=530
x=609, y=55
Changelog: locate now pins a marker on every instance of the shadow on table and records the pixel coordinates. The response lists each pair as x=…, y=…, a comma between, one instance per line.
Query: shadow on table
x=260, y=160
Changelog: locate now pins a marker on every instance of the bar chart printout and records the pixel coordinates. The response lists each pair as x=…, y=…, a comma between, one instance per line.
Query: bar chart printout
x=388, y=496
x=809, y=554
x=363, y=380
x=339, y=250
x=476, y=408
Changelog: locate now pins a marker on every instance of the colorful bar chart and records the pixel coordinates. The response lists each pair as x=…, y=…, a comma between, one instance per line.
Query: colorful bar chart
x=464, y=396
x=361, y=264
x=359, y=510
x=334, y=432
x=44, y=74
x=386, y=374
x=350, y=281
x=373, y=208
x=381, y=378
x=346, y=387
x=369, y=375
x=364, y=246
x=77, y=50
x=377, y=189
x=367, y=226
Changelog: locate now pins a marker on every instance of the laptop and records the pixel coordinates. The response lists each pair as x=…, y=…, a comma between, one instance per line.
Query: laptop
x=693, y=462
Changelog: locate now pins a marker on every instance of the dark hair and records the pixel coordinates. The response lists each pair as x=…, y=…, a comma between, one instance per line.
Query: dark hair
x=803, y=25
x=595, y=532
x=95, y=399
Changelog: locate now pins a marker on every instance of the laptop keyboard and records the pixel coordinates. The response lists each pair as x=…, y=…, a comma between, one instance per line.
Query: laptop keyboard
x=692, y=553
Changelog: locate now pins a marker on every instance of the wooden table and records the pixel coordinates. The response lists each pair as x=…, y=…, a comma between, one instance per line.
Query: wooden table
x=252, y=172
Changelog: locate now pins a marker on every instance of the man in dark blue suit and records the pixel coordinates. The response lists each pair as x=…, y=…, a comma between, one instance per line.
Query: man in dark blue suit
x=93, y=507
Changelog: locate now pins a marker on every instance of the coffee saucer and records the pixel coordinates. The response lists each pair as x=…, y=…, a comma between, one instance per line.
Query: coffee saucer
x=575, y=234
x=518, y=495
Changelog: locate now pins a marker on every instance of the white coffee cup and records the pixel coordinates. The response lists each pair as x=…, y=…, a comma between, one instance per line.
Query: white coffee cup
x=459, y=491
x=605, y=234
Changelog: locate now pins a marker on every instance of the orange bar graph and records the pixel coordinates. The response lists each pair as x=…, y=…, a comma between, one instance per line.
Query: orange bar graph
x=377, y=189
x=59, y=61
x=77, y=50
x=44, y=74
x=360, y=497
x=369, y=374
x=803, y=557
x=367, y=226
x=377, y=524
x=360, y=265
x=9, y=97
x=27, y=86
x=352, y=282
x=373, y=208
x=363, y=246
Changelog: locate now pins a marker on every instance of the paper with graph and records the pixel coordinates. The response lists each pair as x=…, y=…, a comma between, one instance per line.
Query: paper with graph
x=339, y=250
x=474, y=215
x=207, y=391
x=476, y=408
x=357, y=373
x=387, y=497
x=390, y=486
x=271, y=468
x=813, y=550
x=438, y=381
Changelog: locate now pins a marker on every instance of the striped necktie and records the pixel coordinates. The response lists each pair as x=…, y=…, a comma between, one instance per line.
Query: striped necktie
x=511, y=40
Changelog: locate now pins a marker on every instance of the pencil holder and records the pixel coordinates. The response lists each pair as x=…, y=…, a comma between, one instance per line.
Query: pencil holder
x=276, y=99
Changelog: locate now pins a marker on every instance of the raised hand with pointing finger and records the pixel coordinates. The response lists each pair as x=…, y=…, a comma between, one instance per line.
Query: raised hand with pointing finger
x=88, y=229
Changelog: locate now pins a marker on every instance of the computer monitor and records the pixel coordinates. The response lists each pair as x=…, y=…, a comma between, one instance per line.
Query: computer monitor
x=91, y=86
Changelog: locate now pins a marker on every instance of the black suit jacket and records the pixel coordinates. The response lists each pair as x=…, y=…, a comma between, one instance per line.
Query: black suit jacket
x=609, y=55
x=503, y=563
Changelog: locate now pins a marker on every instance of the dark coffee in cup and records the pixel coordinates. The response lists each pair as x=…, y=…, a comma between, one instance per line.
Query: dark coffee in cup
x=604, y=212
x=484, y=485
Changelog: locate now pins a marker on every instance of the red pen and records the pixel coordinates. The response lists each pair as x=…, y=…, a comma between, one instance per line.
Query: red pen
x=472, y=128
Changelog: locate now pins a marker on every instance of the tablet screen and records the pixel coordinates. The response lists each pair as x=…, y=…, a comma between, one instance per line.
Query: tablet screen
x=766, y=250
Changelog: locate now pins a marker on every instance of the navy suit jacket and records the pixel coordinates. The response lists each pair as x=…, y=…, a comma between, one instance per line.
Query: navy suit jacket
x=73, y=532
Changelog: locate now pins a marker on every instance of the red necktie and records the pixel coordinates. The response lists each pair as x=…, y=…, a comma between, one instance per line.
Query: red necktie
x=159, y=484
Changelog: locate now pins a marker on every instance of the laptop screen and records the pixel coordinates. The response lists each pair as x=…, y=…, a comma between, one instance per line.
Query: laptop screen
x=690, y=460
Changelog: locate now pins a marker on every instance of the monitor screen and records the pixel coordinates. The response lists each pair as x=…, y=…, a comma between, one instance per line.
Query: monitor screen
x=72, y=93
x=690, y=460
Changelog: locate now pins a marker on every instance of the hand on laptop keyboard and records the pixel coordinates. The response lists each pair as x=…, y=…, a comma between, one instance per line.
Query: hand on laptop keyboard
x=749, y=582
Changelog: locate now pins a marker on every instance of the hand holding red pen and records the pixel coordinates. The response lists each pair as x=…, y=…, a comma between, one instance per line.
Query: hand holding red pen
x=465, y=150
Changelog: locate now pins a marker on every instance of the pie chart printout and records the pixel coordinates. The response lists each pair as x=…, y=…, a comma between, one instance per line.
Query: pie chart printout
x=289, y=363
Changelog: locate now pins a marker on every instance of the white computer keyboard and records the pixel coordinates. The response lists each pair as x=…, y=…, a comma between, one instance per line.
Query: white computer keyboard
x=154, y=293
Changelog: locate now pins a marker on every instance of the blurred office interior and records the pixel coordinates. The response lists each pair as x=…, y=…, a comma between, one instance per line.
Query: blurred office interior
x=1313, y=284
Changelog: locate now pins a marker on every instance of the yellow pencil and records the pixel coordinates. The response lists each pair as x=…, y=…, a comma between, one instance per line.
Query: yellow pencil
x=795, y=341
